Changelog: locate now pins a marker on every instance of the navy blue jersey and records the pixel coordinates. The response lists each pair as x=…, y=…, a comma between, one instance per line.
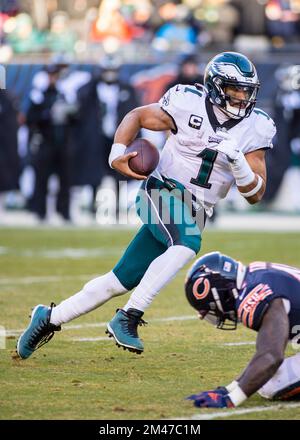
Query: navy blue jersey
x=263, y=283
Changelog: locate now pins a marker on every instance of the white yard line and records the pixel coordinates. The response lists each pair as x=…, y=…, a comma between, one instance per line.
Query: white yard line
x=238, y=412
x=63, y=253
x=43, y=279
x=237, y=344
x=16, y=332
x=98, y=338
x=229, y=344
x=46, y=279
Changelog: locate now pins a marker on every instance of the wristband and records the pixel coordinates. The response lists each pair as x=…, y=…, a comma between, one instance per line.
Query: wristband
x=232, y=386
x=254, y=190
x=242, y=171
x=117, y=150
x=237, y=396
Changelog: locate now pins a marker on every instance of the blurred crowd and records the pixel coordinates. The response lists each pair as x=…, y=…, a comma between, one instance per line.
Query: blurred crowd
x=57, y=120
x=66, y=131
x=147, y=28
x=71, y=116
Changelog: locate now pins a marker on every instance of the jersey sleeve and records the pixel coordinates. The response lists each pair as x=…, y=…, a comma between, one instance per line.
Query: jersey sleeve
x=263, y=133
x=173, y=102
x=253, y=307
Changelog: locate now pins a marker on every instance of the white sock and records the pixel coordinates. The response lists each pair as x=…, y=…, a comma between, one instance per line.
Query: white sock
x=158, y=274
x=95, y=293
x=287, y=374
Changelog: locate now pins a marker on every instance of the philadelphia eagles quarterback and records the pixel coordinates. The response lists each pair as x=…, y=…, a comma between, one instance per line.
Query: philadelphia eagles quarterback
x=217, y=138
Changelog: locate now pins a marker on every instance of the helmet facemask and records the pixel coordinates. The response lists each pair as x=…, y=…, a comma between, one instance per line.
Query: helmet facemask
x=222, y=312
x=222, y=308
x=218, y=306
x=219, y=320
x=234, y=107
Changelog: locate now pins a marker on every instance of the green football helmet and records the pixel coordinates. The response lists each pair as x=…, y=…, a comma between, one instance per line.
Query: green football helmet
x=232, y=69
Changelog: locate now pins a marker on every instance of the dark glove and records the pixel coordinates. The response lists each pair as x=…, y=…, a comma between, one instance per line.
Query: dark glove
x=218, y=398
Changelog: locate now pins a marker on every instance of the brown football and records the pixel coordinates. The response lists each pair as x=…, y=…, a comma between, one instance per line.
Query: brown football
x=147, y=158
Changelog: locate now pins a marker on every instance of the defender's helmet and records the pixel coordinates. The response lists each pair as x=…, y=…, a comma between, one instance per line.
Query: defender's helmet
x=211, y=287
x=232, y=69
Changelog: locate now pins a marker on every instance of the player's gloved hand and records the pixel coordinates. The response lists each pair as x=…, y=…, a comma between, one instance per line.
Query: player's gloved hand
x=121, y=165
x=212, y=399
x=219, y=390
x=228, y=146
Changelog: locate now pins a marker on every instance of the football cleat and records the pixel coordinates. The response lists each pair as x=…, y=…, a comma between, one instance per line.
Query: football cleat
x=38, y=333
x=123, y=328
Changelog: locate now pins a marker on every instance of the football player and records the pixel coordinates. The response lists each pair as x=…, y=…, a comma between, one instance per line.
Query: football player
x=217, y=138
x=264, y=297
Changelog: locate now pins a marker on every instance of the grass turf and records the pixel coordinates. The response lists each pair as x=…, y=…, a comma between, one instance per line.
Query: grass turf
x=69, y=379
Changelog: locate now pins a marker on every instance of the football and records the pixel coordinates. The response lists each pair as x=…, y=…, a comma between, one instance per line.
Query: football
x=147, y=158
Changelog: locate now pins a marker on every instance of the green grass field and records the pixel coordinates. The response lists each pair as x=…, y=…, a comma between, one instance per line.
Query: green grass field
x=71, y=379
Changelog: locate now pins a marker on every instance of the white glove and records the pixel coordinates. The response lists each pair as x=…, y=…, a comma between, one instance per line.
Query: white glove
x=228, y=146
x=240, y=168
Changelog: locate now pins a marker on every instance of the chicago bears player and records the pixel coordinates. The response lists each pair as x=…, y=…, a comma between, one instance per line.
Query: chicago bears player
x=217, y=138
x=264, y=297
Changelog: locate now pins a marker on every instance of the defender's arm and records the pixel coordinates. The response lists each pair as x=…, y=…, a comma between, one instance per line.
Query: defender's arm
x=271, y=342
x=270, y=346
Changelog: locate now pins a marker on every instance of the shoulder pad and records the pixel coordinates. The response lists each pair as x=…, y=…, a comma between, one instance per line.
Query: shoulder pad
x=264, y=123
x=264, y=127
x=181, y=97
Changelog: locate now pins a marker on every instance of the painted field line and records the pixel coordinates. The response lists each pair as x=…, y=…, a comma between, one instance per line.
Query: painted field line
x=44, y=279
x=229, y=344
x=70, y=253
x=167, y=319
x=238, y=412
x=47, y=279
x=237, y=344
x=16, y=332
x=98, y=338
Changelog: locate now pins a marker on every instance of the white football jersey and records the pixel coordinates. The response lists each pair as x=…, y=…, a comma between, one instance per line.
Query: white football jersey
x=189, y=155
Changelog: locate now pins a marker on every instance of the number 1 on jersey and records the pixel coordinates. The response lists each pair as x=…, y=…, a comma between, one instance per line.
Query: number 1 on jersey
x=208, y=157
